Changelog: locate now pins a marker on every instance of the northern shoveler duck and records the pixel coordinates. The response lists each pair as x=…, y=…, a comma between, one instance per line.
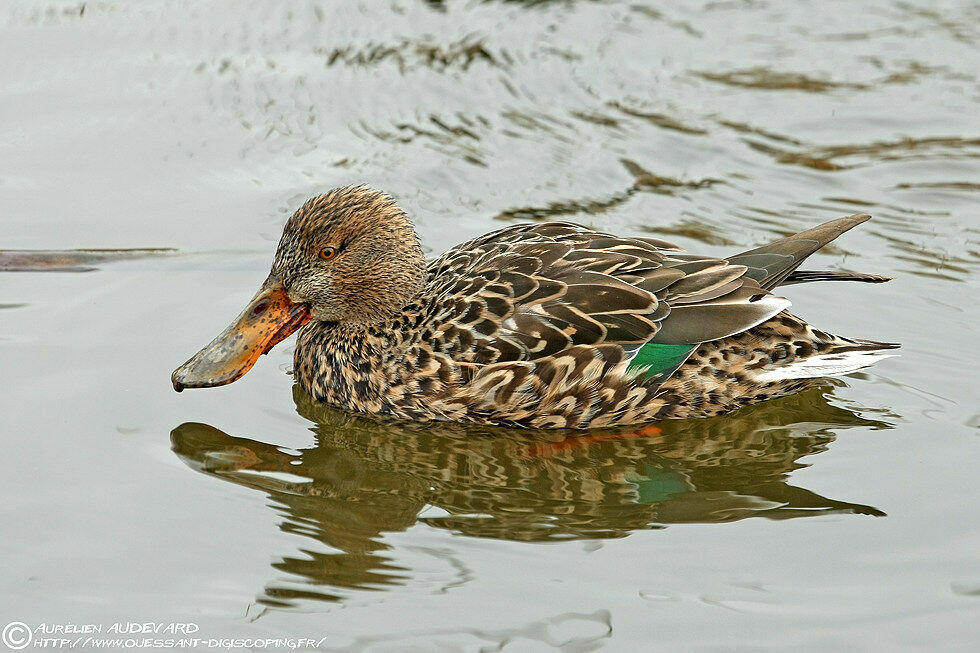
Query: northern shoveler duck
x=535, y=325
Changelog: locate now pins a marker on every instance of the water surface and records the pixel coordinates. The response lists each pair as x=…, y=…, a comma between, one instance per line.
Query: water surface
x=150, y=153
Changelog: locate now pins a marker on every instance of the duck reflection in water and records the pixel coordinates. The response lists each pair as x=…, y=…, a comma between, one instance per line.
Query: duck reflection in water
x=365, y=478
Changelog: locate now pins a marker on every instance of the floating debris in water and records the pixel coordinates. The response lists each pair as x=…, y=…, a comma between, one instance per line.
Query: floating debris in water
x=70, y=260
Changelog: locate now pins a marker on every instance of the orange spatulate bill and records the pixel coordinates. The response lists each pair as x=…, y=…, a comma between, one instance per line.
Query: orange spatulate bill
x=267, y=320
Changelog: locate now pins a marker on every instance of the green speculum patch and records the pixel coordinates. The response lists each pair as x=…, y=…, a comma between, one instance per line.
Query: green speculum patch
x=655, y=359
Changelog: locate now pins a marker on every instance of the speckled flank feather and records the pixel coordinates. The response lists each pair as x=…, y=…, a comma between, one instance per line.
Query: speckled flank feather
x=536, y=326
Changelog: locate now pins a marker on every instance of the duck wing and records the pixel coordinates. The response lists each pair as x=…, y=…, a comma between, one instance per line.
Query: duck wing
x=531, y=292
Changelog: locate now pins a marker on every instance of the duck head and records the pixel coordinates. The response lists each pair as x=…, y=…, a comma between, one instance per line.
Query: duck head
x=348, y=256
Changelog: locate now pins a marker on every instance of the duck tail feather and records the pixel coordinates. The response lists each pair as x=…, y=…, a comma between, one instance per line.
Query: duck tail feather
x=771, y=264
x=806, y=276
x=850, y=355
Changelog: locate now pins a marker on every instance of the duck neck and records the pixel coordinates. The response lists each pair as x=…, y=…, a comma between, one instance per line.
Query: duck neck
x=349, y=364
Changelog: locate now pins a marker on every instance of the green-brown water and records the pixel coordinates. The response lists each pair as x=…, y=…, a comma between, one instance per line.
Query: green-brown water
x=844, y=518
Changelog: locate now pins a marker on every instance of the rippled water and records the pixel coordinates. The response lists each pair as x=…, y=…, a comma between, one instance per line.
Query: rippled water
x=842, y=518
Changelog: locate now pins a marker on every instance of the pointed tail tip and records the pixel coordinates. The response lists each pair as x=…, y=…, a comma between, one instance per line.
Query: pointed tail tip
x=876, y=345
x=846, y=223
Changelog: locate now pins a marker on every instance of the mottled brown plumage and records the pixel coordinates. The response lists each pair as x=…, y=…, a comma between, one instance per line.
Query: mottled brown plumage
x=541, y=325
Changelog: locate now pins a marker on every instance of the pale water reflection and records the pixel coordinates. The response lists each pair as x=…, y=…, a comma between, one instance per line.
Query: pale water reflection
x=363, y=478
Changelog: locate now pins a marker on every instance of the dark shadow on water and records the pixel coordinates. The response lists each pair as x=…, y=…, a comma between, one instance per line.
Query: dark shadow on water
x=365, y=478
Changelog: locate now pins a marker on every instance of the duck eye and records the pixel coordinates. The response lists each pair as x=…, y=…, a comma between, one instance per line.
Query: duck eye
x=327, y=253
